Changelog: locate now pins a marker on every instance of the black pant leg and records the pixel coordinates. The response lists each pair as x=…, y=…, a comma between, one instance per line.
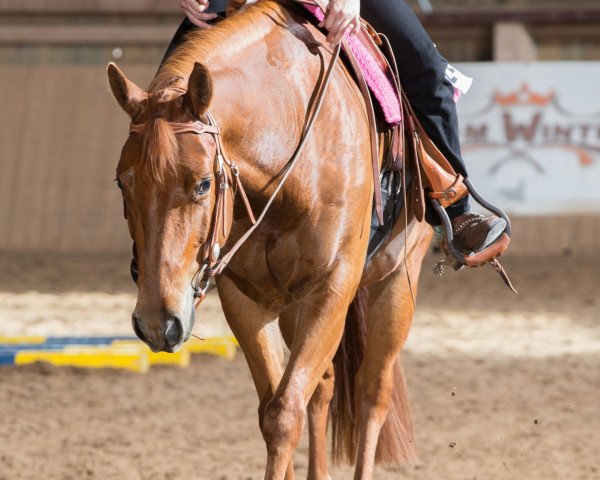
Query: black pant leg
x=185, y=27
x=423, y=75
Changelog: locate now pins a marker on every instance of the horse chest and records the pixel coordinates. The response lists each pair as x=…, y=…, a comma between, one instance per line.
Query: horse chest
x=280, y=270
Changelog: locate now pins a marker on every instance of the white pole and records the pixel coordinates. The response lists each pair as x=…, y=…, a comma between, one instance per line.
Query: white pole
x=426, y=6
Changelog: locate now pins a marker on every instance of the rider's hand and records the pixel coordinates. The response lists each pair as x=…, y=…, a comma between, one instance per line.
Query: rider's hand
x=342, y=16
x=194, y=9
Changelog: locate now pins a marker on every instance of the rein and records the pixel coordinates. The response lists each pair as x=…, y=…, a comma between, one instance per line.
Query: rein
x=213, y=263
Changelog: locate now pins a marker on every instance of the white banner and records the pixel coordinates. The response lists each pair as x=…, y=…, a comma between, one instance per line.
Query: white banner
x=531, y=135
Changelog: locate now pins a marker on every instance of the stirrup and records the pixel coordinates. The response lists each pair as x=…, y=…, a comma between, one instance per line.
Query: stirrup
x=490, y=254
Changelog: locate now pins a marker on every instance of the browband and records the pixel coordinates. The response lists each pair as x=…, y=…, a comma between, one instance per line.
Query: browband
x=197, y=127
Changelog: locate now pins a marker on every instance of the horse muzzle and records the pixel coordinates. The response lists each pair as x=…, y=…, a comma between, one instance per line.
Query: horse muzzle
x=166, y=336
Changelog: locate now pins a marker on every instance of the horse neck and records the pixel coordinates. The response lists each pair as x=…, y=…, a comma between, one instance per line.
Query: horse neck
x=259, y=106
x=258, y=101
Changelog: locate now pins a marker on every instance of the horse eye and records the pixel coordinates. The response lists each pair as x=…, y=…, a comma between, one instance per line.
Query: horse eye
x=119, y=184
x=203, y=186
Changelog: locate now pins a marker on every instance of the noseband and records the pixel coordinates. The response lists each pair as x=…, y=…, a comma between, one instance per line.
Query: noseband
x=226, y=173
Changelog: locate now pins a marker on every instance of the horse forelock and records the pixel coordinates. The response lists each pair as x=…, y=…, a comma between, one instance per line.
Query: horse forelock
x=161, y=151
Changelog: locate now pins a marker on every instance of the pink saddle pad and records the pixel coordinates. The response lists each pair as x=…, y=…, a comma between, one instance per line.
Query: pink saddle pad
x=379, y=82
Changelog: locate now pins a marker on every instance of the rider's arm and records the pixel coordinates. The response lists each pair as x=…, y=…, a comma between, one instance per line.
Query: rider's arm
x=342, y=16
x=195, y=11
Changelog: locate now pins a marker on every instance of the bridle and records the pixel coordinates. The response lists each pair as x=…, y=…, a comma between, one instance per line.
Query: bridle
x=227, y=173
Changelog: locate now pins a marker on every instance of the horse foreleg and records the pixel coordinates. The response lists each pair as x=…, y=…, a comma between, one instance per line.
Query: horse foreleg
x=317, y=336
x=318, y=407
x=390, y=316
x=256, y=332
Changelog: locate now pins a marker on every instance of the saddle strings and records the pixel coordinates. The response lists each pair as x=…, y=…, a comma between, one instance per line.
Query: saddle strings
x=396, y=76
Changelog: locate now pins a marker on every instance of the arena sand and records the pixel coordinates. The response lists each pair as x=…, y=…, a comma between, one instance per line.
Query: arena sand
x=502, y=387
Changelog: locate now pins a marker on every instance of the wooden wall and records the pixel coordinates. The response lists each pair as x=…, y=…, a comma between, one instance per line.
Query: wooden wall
x=60, y=139
x=61, y=130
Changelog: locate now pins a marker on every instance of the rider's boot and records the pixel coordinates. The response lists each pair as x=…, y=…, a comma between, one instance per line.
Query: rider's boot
x=479, y=238
x=474, y=233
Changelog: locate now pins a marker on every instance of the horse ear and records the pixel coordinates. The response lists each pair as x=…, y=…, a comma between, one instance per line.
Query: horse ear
x=128, y=94
x=200, y=89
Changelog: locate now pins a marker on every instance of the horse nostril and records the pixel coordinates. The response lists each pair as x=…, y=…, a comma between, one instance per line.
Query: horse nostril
x=173, y=331
x=135, y=320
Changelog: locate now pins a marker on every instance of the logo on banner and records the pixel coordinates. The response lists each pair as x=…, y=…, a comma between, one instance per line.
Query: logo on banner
x=525, y=125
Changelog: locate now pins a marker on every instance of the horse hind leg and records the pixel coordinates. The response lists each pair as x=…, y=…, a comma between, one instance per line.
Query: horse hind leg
x=379, y=382
x=318, y=410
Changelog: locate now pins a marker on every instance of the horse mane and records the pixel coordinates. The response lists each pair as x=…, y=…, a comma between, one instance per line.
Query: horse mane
x=241, y=29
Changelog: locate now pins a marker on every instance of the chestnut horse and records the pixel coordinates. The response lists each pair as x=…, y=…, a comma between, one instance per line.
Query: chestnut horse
x=305, y=263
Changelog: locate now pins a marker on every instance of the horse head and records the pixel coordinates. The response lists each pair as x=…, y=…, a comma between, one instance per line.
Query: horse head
x=168, y=185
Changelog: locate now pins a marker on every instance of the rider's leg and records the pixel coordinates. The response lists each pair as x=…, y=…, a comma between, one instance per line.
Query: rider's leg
x=422, y=73
x=185, y=27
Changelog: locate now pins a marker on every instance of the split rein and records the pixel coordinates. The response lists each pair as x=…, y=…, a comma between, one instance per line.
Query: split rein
x=213, y=263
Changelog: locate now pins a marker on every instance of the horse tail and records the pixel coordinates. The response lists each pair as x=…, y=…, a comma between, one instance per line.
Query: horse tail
x=396, y=440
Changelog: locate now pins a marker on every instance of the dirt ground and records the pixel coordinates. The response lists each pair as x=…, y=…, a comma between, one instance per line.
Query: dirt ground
x=502, y=387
